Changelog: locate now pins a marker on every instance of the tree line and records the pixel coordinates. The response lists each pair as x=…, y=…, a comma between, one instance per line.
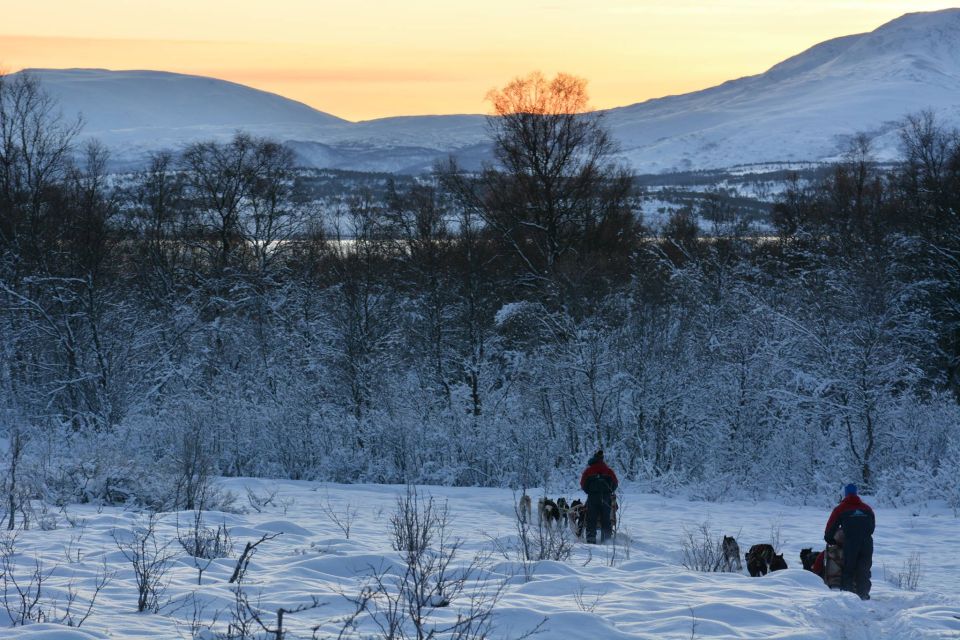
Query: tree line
x=475, y=328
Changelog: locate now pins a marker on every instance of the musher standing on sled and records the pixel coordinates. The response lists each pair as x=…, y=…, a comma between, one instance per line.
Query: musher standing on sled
x=855, y=519
x=599, y=482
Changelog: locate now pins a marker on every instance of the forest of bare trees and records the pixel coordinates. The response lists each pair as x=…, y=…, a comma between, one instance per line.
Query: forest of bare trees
x=206, y=315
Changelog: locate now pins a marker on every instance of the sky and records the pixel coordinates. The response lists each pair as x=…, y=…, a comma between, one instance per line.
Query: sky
x=363, y=59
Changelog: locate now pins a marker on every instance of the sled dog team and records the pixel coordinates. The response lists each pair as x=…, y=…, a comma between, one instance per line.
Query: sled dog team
x=845, y=563
x=560, y=513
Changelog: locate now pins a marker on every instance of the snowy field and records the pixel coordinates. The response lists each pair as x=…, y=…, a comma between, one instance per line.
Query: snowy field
x=637, y=588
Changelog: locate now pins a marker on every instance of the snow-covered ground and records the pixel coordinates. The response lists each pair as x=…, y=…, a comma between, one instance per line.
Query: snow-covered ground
x=636, y=589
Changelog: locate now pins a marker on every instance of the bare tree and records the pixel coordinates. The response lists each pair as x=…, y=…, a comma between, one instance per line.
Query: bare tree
x=192, y=467
x=150, y=561
x=342, y=518
x=27, y=598
x=401, y=603
x=240, y=627
x=204, y=544
x=364, y=314
x=929, y=184
x=275, y=213
x=554, y=185
x=242, y=194
x=249, y=549
x=35, y=146
x=420, y=216
x=12, y=484
x=157, y=216
x=702, y=550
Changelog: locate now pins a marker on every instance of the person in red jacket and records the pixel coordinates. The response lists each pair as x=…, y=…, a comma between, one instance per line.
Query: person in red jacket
x=599, y=481
x=855, y=519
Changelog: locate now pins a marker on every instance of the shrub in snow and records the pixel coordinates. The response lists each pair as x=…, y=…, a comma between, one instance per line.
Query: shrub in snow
x=249, y=621
x=524, y=325
x=27, y=595
x=16, y=480
x=909, y=574
x=401, y=603
x=150, y=560
x=203, y=542
x=540, y=539
x=716, y=488
x=343, y=516
x=702, y=550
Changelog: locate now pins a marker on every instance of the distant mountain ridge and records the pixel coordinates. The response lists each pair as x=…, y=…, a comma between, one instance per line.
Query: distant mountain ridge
x=808, y=106
x=155, y=108
x=805, y=108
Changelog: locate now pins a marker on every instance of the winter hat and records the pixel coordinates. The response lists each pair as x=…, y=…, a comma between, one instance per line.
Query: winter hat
x=850, y=490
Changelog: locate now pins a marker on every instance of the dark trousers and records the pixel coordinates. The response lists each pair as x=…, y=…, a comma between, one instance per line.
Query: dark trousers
x=857, y=562
x=598, y=508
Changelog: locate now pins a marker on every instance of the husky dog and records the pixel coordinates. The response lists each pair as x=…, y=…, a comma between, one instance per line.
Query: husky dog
x=731, y=554
x=777, y=563
x=563, y=508
x=761, y=559
x=548, y=512
x=576, y=516
x=524, y=508
x=758, y=559
x=808, y=557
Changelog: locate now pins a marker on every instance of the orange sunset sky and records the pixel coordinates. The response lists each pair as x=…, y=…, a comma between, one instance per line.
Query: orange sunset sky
x=363, y=59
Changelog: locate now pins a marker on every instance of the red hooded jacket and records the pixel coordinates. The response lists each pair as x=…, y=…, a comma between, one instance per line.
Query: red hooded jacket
x=599, y=468
x=851, y=506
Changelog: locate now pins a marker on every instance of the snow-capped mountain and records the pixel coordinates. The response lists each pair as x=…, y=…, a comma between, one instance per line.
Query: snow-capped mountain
x=805, y=108
x=808, y=106
x=136, y=111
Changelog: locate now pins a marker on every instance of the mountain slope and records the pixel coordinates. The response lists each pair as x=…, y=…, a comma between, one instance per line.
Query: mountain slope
x=808, y=106
x=804, y=108
x=153, y=109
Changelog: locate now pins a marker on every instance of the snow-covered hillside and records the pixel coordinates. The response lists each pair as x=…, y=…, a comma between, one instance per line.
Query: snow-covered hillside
x=637, y=588
x=137, y=111
x=808, y=106
x=803, y=109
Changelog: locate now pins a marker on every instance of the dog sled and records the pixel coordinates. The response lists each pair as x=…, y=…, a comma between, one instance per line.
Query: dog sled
x=833, y=566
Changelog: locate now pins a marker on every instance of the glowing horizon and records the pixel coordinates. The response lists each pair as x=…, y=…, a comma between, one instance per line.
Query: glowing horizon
x=374, y=59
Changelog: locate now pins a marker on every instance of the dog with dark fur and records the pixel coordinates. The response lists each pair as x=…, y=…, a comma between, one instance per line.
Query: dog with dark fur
x=808, y=557
x=548, y=512
x=759, y=558
x=576, y=516
x=756, y=566
x=731, y=554
x=562, y=508
x=777, y=563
